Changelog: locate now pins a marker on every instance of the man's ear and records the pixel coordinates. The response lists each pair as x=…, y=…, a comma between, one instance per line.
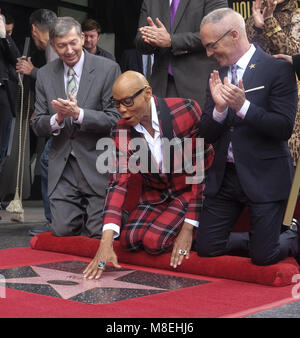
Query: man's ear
x=52, y=45
x=148, y=92
x=33, y=27
x=235, y=34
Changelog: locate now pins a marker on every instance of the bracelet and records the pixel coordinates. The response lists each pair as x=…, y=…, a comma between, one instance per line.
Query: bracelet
x=275, y=30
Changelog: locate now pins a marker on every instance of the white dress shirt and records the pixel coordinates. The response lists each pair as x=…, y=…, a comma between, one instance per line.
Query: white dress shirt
x=78, y=72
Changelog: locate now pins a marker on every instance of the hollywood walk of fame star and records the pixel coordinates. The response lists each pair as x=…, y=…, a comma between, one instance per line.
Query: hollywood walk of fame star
x=75, y=284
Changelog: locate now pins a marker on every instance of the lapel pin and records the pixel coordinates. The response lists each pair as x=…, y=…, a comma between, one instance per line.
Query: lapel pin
x=252, y=66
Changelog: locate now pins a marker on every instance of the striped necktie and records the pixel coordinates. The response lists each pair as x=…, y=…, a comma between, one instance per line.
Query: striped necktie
x=71, y=86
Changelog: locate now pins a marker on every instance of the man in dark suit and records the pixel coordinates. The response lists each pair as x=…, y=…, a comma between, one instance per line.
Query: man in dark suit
x=40, y=22
x=170, y=200
x=170, y=31
x=8, y=59
x=249, y=116
x=73, y=105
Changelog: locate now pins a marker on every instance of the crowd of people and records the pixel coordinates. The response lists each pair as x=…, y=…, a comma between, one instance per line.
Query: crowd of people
x=212, y=131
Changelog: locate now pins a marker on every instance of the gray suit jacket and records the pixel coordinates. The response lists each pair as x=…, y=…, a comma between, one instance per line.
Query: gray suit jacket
x=190, y=65
x=95, y=90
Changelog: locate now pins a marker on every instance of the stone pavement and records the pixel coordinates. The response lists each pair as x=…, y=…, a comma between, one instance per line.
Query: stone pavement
x=15, y=234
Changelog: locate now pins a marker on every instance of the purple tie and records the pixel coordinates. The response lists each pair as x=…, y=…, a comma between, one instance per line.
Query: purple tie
x=173, y=9
x=234, y=79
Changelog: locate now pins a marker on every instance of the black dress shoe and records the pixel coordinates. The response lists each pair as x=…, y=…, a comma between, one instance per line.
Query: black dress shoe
x=295, y=226
x=40, y=229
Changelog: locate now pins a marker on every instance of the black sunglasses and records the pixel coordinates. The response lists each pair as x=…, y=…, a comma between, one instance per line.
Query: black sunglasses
x=127, y=101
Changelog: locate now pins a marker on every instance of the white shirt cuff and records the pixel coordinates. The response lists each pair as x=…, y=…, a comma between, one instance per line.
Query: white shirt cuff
x=191, y=221
x=80, y=117
x=112, y=226
x=54, y=124
x=220, y=116
x=243, y=111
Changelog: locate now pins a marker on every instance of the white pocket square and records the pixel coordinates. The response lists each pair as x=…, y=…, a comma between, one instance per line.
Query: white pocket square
x=253, y=89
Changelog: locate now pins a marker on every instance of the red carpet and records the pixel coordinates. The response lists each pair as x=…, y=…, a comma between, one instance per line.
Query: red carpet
x=229, y=267
x=218, y=298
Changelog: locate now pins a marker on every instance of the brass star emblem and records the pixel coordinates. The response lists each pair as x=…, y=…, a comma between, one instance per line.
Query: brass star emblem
x=252, y=66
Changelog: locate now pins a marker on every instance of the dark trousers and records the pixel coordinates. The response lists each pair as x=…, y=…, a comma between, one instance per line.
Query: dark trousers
x=6, y=119
x=171, y=88
x=263, y=243
x=44, y=179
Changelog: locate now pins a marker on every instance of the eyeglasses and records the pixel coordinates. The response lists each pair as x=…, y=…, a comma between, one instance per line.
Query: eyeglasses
x=212, y=45
x=127, y=101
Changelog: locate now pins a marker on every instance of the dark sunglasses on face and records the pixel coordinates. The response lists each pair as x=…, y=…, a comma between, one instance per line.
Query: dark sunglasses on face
x=127, y=101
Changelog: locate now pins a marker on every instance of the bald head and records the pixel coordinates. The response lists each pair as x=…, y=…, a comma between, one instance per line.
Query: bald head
x=223, y=35
x=130, y=80
x=132, y=95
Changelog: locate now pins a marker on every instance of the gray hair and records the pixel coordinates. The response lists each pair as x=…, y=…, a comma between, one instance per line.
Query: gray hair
x=63, y=25
x=218, y=15
x=43, y=19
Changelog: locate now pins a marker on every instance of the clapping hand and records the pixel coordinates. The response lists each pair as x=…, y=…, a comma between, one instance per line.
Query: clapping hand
x=156, y=34
x=2, y=27
x=259, y=14
x=226, y=94
x=65, y=108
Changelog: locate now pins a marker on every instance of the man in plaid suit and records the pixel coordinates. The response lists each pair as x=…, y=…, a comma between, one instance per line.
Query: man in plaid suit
x=169, y=205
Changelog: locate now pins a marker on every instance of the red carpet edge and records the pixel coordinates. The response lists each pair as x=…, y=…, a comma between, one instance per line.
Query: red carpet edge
x=228, y=267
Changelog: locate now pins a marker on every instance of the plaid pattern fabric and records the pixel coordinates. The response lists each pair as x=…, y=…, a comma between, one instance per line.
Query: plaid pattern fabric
x=153, y=227
x=159, y=191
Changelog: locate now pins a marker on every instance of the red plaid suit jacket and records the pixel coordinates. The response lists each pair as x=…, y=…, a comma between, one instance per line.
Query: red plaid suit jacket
x=157, y=187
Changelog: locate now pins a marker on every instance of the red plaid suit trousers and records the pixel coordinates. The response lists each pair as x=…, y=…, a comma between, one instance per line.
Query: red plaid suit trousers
x=153, y=227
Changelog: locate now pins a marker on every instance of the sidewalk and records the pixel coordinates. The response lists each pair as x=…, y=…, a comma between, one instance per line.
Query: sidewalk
x=15, y=234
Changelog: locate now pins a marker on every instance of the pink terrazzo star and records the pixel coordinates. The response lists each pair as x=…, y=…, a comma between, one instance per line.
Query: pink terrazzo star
x=47, y=276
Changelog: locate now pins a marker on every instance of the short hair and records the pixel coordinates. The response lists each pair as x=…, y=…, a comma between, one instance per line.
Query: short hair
x=90, y=24
x=63, y=25
x=219, y=14
x=9, y=19
x=43, y=19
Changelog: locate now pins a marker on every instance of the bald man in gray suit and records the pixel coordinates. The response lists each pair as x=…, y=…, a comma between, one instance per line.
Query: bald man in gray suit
x=73, y=104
